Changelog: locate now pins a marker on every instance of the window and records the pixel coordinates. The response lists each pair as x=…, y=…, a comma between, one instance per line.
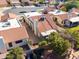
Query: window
x=10, y=44
x=18, y=41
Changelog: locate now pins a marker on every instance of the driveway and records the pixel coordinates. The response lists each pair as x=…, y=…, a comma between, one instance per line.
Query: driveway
x=19, y=9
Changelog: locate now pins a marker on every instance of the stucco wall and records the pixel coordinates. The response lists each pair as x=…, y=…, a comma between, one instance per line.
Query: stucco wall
x=16, y=45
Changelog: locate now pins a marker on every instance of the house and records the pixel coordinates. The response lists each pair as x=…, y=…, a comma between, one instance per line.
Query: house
x=74, y=21
x=14, y=2
x=39, y=24
x=4, y=17
x=12, y=34
x=54, y=1
x=50, y=8
x=3, y=3
x=60, y=16
x=24, y=1
x=75, y=10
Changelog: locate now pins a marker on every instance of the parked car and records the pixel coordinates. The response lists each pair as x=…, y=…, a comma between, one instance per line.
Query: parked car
x=37, y=5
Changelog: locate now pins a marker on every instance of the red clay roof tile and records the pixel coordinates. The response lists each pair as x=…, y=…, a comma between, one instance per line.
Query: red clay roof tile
x=14, y=34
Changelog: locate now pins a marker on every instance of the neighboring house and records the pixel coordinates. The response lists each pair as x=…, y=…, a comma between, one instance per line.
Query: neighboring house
x=12, y=34
x=14, y=2
x=27, y=2
x=74, y=21
x=3, y=3
x=59, y=16
x=75, y=10
x=54, y=1
x=50, y=8
x=4, y=17
x=24, y=1
x=39, y=24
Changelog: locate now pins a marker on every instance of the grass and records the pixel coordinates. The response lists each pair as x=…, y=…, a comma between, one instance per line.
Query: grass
x=73, y=29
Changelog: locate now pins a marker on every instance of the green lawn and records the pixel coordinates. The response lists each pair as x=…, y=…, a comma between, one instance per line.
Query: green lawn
x=73, y=29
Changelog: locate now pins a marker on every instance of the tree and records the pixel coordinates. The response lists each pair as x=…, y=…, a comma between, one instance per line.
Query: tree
x=75, y=34
x=69, y=5
x=15, y=53
x=58, y=44
x=41, y=1
x=10, y=56
x=43, y=43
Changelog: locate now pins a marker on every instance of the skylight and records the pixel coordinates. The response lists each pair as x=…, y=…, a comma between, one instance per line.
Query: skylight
x=12, y=23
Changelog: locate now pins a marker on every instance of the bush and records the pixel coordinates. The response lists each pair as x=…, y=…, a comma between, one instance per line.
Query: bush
x=42, y=43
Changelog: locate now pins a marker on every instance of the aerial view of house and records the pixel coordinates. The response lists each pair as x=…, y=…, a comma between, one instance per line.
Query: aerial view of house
x=39, y=29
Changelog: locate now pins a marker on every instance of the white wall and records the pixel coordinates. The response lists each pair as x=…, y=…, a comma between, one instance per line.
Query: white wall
x=2, y=45
x=16, y=45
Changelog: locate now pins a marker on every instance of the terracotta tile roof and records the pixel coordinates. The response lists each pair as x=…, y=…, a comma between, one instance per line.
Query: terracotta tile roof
x=35, y=18
x=42, y=25
x=6, y=16
x=12, y=15
x=14, y=1
x=3, y=3
x=65, y=16
x=49, y=18
x=14, y=34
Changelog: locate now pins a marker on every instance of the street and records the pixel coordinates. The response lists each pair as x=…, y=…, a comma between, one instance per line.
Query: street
x=19, y=9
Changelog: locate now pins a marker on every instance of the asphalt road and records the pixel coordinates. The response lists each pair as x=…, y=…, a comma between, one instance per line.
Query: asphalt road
x=17, y=10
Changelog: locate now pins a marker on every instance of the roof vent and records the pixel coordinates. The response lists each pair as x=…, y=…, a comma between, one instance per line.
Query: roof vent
x=42, y=18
